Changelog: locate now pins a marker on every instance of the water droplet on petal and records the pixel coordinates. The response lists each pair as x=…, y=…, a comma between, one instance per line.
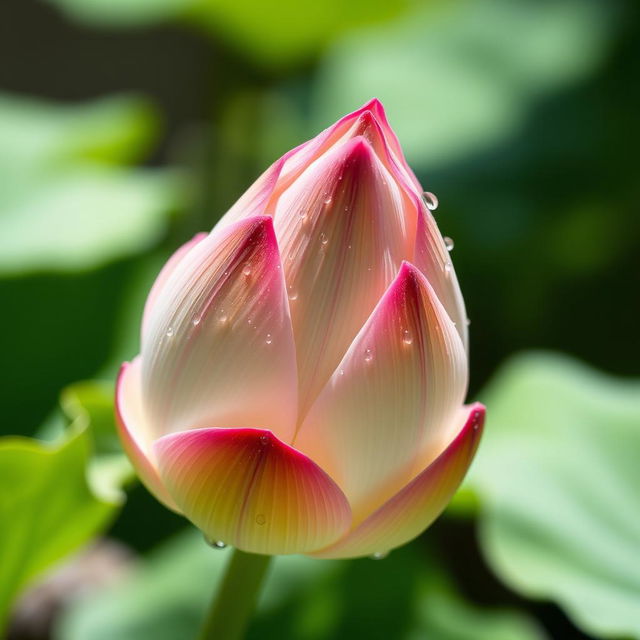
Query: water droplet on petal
x=260, y=519
x=467, y=322
x=407, y=338
x=196, y=321
x=430, y=200
x=302, y=213
x=379, y=555
x=293, y=294
x=341, y=372
x=448, y=243
x=264, y=439
x=328, y=200
x=368, y=355
x=216, y=544
x=269, y=339
x=447, y=267
x=169, y=332
x=246, y=271
x=222, y=317
x=323, y=238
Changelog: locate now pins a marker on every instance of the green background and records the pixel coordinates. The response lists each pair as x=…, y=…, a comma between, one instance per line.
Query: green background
x=128, y=125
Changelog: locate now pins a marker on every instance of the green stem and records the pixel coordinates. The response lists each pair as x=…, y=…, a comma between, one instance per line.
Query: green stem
x=235, y=600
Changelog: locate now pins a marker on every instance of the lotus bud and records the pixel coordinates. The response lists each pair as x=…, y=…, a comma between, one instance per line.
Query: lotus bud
x=303, y=367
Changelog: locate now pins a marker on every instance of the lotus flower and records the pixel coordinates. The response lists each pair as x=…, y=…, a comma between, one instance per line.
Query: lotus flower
x=303, y=367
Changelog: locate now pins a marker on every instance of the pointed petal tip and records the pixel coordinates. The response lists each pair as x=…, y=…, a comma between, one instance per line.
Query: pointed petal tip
x=374, y=105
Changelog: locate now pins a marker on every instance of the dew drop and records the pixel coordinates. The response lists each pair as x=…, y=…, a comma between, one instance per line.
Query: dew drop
x=467, y=322
x=293, y=294
x=379, y=555
x=341, y=372
x=269, y=339
x=222, y=317
x=196, y=321
x=323, y=238
x=447, y=267
x=328, y=200
x=260, y=519
x=368, y=355
x=169, y=332
x=246, y=270
x=264, y=439
x=448, y=243
x=216, y=544
x=430, y=200
x=302, y=213
x=407, y=338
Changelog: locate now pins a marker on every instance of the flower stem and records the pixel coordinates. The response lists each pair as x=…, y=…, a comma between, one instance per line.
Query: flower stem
x=236, y=597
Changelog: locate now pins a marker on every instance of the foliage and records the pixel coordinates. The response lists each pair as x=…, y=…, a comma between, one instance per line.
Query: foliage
x=274, y=36
x=303, y=598
x=558, y=478
x=56, y=496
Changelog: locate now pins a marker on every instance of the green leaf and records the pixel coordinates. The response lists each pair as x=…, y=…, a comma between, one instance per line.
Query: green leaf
x=446, y=616
x=47, y=508
x=558, y=478
x=303, y=598
x=39, y=134
x=461, y=78
x=83, y=218
x=271, y=36
x=66, y=204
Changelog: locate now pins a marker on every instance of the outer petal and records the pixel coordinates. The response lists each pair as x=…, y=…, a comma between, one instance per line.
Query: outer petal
x=432, y=258
x=420, y=502
x=343, y=233
x=245, y=487
x=163, y=276
x=392, y=398
x=134, y=430
x=219, y=347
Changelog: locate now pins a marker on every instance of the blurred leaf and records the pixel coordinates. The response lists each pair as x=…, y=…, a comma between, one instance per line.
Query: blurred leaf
x=558, y=476
x=91, y=403
x=303, y=598
x=271, y=35
x=444, y=615
x=84, y=218
x=47, y=507
x=38, y=134
x=463, y=77
x=63, y=205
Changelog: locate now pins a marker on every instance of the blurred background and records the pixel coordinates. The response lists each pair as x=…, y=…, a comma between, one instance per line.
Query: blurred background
x=128, y=125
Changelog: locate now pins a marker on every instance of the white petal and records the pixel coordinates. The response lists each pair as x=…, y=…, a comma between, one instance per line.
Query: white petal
x=391, y=401
x=343, y=232
x=219, y=348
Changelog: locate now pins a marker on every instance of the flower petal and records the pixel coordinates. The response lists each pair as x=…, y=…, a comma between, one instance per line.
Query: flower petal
x=391, y=399
x=247, y=488
x=343, y=233
x=420, y=502
x=432, y=258
x=134, y=431
x=219, y=348
x=368, y=121
x=164, y=274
